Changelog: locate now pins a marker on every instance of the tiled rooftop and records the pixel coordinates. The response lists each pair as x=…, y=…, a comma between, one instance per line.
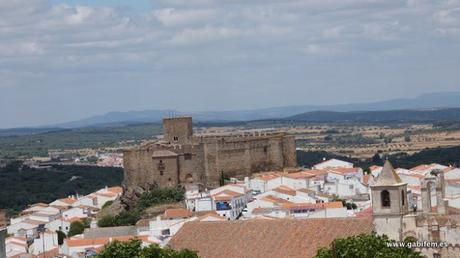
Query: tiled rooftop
x=266, y=238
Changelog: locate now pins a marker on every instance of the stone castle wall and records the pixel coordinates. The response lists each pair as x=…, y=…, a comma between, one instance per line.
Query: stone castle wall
x=184, y=158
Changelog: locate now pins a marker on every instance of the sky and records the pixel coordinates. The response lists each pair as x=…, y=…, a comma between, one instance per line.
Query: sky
x=63, y=60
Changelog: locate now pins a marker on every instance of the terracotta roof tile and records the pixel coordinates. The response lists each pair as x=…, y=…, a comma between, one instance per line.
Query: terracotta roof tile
x=226, y=195
x=101, y=241
x=115, y=189
x=68, y=200
x=342, y=170
x=300, y=175
x=326, y=205
x=276, y=200
x=177, y=213
x=266, y=238
x=285, y=190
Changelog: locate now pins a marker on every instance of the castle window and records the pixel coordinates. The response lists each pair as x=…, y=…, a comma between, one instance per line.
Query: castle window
x=161, y=172
x=161, y=165
x=402, y=197
x=385, y=198
x=175, y=138
x=187, y=156
x=265, y=149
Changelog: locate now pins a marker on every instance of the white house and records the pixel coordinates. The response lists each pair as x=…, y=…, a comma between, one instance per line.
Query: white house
x=15, y=246
x=229, y=204
x=59, y=224
x=198, y=201
x=161, y=230
x=264, y=182
x=333, y=163
x=87, y=200
x=228, y=200
x=452, y=173
x=46, y=241
x=26, y=228
x=317, y=210
x=345, y=182
x=75, y=212
x=77, y=247
x=35, y=208
x=64, y=202
x=303, y=210
x=375, y=170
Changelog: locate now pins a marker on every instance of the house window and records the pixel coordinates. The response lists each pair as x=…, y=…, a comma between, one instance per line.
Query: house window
x=385, y=198
x=350, y=186
x=402, y=197
x=187, y=156
x=436, y=255
x=175, y=138
x=166, y=232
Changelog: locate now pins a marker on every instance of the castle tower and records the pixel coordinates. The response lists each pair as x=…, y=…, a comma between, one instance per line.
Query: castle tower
x=434, y=180
x=178, y=130
x=389, y=203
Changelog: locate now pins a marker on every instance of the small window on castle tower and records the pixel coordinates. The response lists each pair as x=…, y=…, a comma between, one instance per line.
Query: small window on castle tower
x=385, y=198
x=161, y=172
x=265, y=149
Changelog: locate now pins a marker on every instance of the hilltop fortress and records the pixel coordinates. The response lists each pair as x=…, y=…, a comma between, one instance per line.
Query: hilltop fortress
x=181, y=157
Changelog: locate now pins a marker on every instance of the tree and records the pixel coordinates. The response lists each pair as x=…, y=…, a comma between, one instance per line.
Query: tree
x=134, y=248
x=377, y=160
x=407, y=138
x=366, y=246
x=76, y=228
x=61, y=235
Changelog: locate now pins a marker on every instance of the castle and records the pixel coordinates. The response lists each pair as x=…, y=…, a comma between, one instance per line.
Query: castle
x=182, y=157
x=393, y=217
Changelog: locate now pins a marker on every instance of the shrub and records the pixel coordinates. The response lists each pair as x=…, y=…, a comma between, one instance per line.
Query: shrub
x=76, y=228
x=366, y=246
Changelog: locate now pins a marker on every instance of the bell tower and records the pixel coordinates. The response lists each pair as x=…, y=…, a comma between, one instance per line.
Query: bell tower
x=389, y=203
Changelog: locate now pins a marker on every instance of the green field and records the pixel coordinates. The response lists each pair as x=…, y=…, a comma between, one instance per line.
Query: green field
x=90, y=137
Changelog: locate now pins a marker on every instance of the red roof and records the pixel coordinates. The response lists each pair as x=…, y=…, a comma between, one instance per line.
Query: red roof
x=262, y=238
x=365, y=213
x=326, y=205
x=177, y=213
x=342, y=170
x=285, y=190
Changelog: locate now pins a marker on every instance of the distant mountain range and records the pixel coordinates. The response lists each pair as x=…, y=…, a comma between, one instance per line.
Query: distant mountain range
x=431, y=107
x=425, y=101
x=390, y=116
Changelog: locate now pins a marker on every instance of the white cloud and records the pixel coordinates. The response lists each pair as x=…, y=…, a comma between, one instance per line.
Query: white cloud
x=174, y=17
x=73, y=45
x=188, y=36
